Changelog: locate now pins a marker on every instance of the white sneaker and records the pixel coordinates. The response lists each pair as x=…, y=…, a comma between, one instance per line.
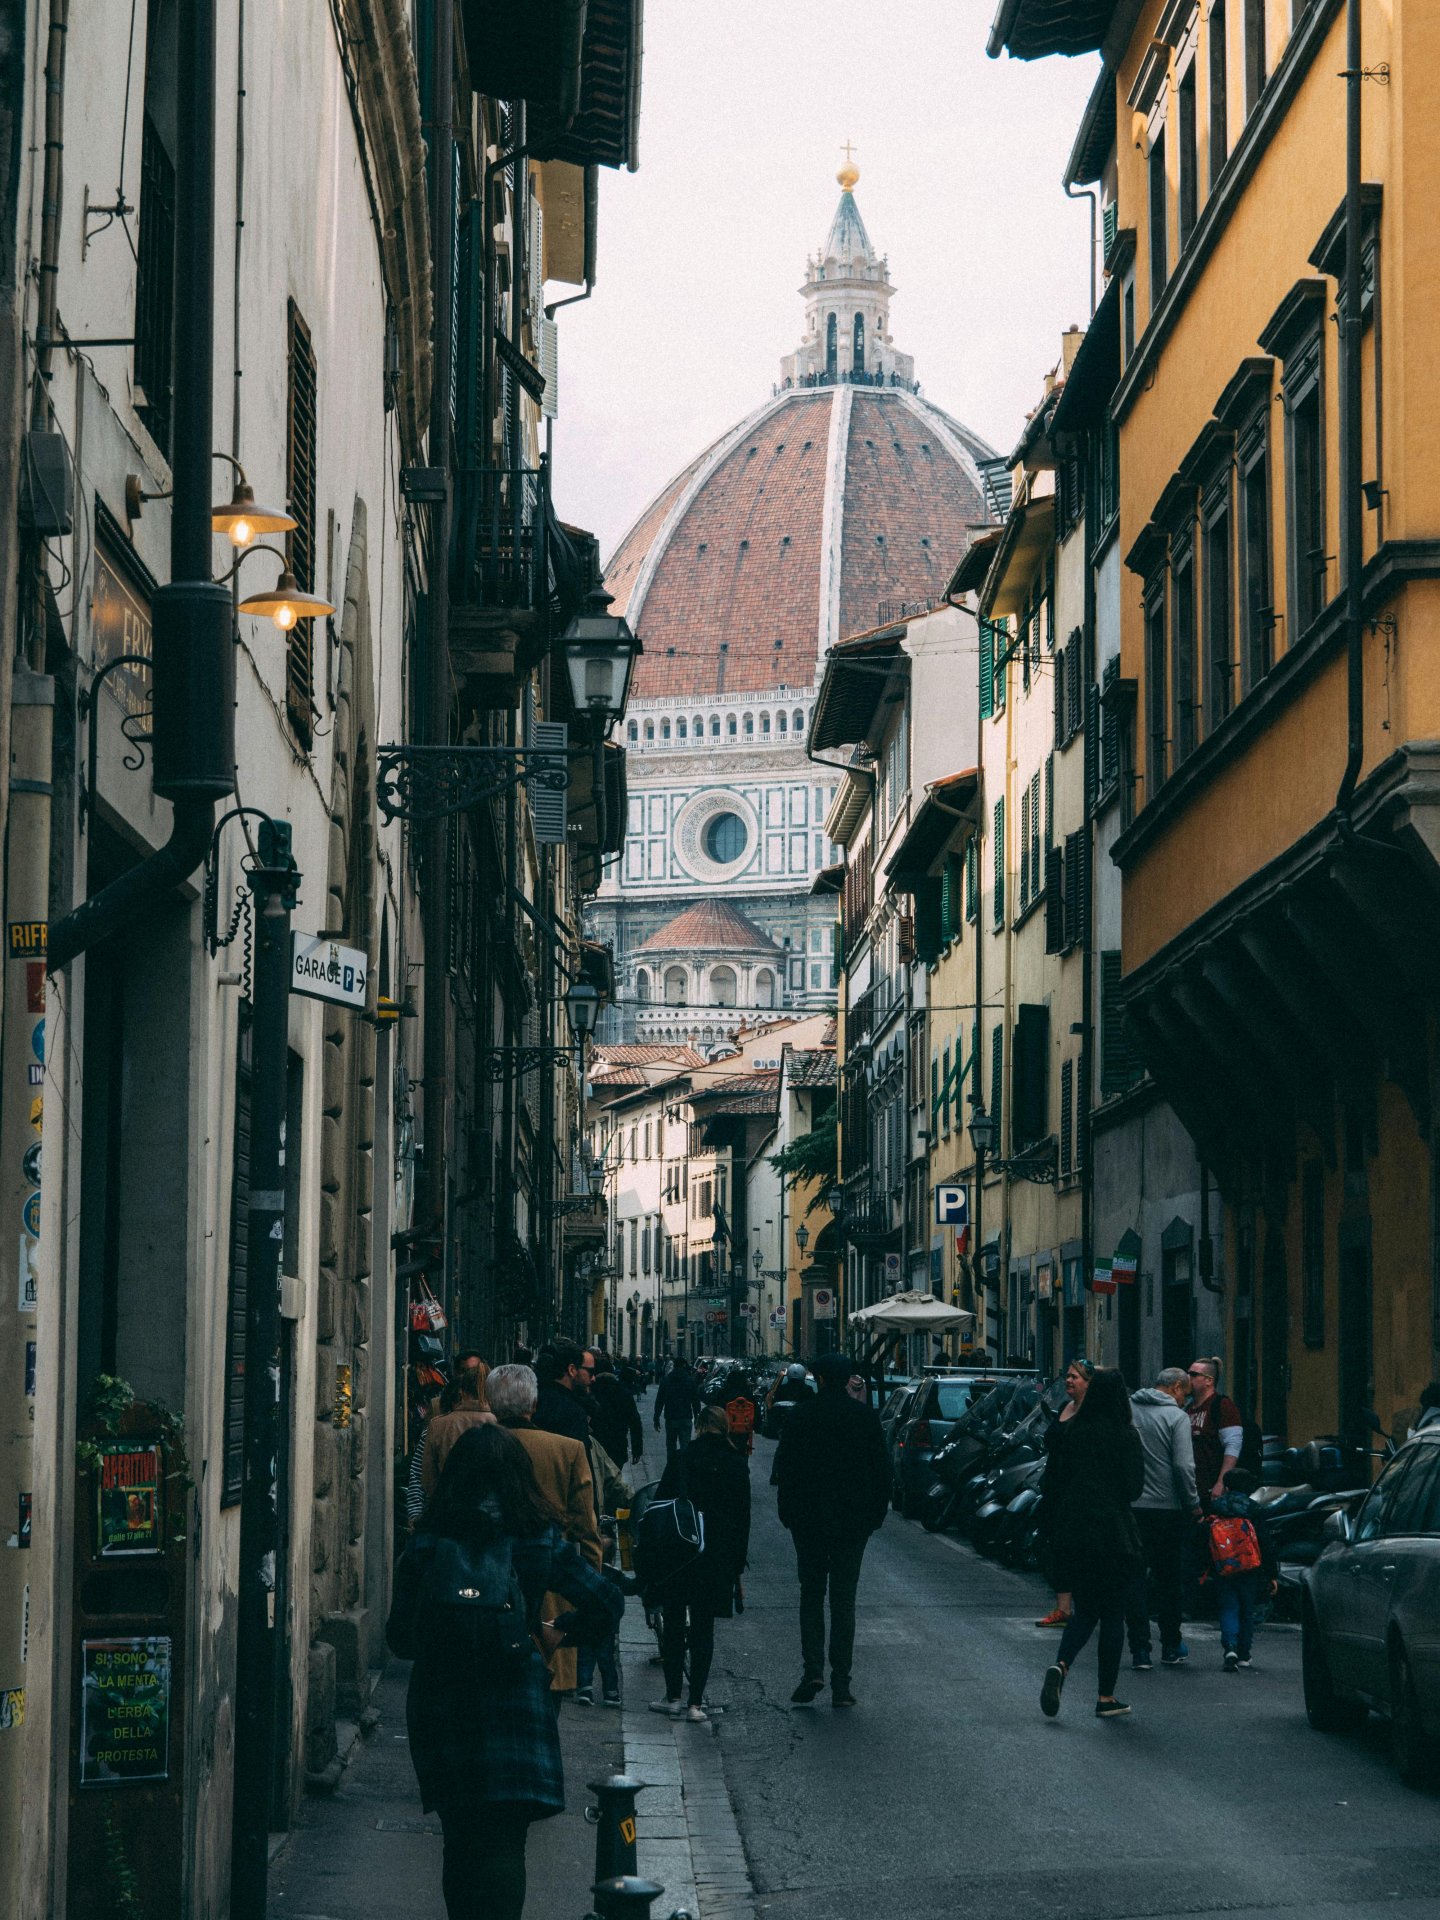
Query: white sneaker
x=696, y=1715
x=675, y=1708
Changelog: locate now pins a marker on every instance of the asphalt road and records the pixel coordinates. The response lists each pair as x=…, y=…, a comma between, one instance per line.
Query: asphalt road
x=946, y=1793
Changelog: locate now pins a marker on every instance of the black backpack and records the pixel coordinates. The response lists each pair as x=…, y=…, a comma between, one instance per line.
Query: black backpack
x=456, y=1588
x=669, y=1538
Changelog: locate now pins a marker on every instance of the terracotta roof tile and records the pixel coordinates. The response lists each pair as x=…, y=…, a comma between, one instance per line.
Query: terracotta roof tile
x=710, y=926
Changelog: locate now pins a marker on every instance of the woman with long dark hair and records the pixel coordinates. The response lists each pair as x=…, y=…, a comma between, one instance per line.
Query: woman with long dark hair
x=1078, y=1376
x=712, y=1475
x=1095, y=1473
x=468, y=1594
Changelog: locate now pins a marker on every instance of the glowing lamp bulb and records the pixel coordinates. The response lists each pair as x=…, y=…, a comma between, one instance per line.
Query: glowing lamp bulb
x=241, y=533
x=284, y=616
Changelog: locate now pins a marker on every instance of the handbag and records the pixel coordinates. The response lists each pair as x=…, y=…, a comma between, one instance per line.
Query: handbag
x=427, y=1315
x=446, y=1586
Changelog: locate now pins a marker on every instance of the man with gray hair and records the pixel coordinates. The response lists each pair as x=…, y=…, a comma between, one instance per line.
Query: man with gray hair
x=512, y=1392
x=1166, y=1508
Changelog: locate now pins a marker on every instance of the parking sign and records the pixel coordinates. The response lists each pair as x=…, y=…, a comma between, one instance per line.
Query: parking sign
x=952, y=1206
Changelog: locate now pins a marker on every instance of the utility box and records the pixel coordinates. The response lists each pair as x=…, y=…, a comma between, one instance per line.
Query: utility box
x=47, y=484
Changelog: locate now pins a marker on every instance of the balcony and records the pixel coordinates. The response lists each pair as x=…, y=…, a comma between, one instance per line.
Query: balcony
x=499, y=571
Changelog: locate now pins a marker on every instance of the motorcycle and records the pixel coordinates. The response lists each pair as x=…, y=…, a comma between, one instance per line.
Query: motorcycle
x=971, y=1448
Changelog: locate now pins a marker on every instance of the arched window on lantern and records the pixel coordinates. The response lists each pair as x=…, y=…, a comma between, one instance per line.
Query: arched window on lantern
x=858, y=358
x=722, y=986
x=675, y=986
x=831, y=337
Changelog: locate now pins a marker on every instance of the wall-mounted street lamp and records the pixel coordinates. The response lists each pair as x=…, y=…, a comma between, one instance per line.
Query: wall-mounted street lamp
x=982, y=1132
x=582, y=1008
x=287, y=601
x=600, y=652
x=802, y=1237
x=240, y=518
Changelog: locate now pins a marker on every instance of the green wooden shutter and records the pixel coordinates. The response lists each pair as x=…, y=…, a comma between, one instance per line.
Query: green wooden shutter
x=1049, y=801
x=1024, y=848
x=1054, y=901
x=949, y=907
x=972, y=879
x=1030, y=1075
x=997, y=1085
x=934, y=1093
x=1002, y=663
x=1092, y=742
x=987, y=669
x=999, y=840
x=945, y=1091
x=1119, y=1064
x=930, y=920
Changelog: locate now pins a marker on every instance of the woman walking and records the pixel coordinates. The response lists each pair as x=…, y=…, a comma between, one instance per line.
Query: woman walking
x=715, y=1478
x=468, y=1593
x=1078, y=1376
x=1094, y=1475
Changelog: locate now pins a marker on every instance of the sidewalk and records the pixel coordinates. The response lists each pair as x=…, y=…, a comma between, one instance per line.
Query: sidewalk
x=367, y=1852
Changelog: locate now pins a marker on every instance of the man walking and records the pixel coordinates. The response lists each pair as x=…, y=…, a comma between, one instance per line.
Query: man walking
x=834, y=1482
x=677, y=1401
x=565, y=1372
x=614, y=1415
x=1166, y=1509
x=1216, y=1430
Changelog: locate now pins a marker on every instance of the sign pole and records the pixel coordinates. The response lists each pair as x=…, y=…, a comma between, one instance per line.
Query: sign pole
x=274, y=882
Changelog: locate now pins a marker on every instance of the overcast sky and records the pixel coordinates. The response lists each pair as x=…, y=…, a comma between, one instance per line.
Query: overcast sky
x=745, y=108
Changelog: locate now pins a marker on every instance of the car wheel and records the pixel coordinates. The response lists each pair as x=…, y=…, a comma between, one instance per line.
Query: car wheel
x=1324, y=1708
x=1410, y=1746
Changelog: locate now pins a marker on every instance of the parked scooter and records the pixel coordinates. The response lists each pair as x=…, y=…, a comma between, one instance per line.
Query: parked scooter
x=968, y=1450
x=1321, y=1478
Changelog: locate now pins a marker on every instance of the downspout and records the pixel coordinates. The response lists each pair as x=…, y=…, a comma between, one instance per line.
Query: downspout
x=1086, y=1102
x=49, y=268
x=1073, y=192
x=1351, y=453
x=194, y=651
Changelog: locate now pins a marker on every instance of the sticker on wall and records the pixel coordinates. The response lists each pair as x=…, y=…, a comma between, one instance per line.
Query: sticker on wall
x=30, y=1215
x=124, y=1711
x=34, y=1075
x=37, y=1041
x=29, y=1279
x=12, y=1708
x=27, y=939
x=37, y=1113
x=344, y=1397
x=30, y=1369
x=30, y=1163
x=22, y=1527
x=35, y=986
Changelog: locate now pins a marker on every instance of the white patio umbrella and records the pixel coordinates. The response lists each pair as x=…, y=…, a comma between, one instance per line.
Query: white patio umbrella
x=914, y=1312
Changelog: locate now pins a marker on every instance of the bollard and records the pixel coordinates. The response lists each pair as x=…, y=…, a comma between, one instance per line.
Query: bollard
x=624, y=1897
x=614, y=1824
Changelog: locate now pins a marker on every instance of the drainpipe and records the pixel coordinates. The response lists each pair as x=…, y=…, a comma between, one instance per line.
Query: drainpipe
x=194, y=652
x=1351, y=452
x=434, y=904
x=1073, y=192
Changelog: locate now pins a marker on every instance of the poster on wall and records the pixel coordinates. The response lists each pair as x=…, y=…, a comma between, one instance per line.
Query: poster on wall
x=130, y=1499
x=124, y=1711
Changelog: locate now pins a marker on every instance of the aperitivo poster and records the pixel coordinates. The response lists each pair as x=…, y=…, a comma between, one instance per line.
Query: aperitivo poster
x=130, y=1499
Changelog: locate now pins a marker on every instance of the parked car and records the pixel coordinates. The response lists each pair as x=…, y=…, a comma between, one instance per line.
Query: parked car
x=939, y=1400
x=892, y=1418
x=1371, y=1610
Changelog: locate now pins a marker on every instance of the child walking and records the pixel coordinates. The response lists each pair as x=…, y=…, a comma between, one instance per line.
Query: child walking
x=1242, y=1565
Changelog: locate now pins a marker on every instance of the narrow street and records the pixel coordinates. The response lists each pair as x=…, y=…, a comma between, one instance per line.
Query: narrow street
x=945, y=1791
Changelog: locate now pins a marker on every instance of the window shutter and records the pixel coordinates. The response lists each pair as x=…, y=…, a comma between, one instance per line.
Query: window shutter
x=1049, y=801
x=1024, y=849
x=934, y=1093
x=948, y=913
x=1058, y=689
x=987, y=669
x=1074, y=660
x=932, y=926
x=972, y=879
x=1002, y=650
x=997, y=1084
x=1054, y=901
x=1092, y=742
x=999, y=840
x=1073, y=878
x=300, y=544
x=1067, y=1077
x=1110, y=742
x=1119, y=1064
x=1037, y=872
x=945, y=1090
x=1030, y=1075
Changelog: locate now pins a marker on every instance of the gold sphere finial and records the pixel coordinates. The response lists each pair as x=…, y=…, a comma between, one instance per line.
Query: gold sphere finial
x=849, y=173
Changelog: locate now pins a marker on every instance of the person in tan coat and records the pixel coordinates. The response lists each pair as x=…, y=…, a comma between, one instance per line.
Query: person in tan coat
x=463, y=1405
x=562, y=1468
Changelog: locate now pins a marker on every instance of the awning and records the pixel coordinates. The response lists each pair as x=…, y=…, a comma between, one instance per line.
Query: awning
x=933, y=825
x=911, y=1313
x=604, y=129
x=969, y=576
x=853, y=688
x=829, y=880
x=1028, y=535
x=1096, y=137
x=1030, y=29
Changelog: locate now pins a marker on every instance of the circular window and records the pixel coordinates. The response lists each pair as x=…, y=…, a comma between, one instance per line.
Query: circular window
x=725, y=838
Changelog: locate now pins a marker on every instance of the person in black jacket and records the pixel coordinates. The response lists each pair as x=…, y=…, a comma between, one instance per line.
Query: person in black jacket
x=677, y=1401
x=614, y=1416
x=834, y=1482
x=715, y=1478
x=1094, y=1475
x=566, y=1373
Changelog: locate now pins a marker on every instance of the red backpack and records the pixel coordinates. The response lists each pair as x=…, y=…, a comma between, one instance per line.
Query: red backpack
x=1234, y=1546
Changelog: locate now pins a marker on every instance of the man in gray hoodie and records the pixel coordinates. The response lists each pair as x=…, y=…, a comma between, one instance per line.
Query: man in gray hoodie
x=1166, y=1508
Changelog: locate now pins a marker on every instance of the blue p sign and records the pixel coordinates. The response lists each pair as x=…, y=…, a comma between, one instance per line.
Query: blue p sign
x=952, y=1206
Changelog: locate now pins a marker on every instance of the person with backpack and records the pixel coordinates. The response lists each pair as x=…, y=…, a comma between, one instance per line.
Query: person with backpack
x=1241, y=1565
x=833, y=1477
x=677, y=1401
x=470, y=1610
x=1217, y=1430
x=1095, y=1475
x=713, y=1477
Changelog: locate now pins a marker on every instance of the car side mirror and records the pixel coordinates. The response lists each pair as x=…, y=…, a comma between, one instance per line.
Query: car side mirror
x=1339, y=1527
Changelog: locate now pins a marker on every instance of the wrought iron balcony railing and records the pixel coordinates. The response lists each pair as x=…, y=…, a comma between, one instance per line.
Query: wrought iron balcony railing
x=499, y=551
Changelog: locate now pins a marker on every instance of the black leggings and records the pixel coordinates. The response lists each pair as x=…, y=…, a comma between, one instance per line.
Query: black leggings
x=673, y=1641
x=484, y=1872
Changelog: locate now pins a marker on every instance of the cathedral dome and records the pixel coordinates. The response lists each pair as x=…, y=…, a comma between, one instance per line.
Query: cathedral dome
x=843, y=499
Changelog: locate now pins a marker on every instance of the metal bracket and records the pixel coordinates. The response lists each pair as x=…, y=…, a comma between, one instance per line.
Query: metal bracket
x=422, y=784
x=89, y=704
x=506, y=1063
x=572, y=1203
